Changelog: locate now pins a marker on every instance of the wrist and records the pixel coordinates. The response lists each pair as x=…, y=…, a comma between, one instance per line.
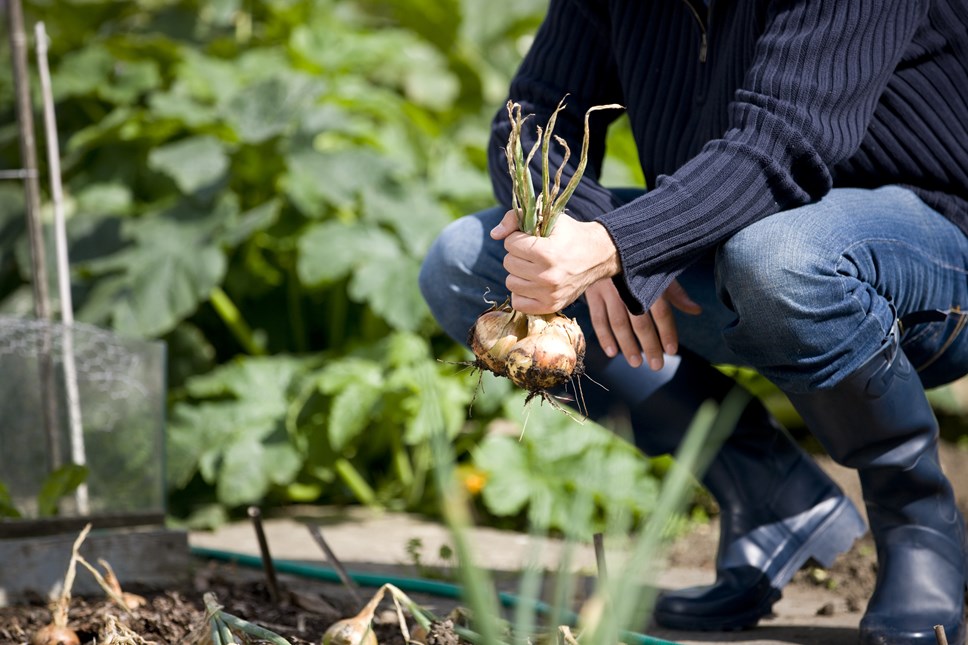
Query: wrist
x=610, y=263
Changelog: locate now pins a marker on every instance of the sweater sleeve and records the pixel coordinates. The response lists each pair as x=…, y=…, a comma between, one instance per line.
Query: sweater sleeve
x=819, y=69
x=570, y=56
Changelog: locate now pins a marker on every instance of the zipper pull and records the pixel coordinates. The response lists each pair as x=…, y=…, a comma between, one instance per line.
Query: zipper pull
x=703, y=47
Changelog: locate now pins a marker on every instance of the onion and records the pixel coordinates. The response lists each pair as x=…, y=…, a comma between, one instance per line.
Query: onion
x=55, y=635
x=357, y=630
x=547, y=356
x=536, y=352
x=493, y=335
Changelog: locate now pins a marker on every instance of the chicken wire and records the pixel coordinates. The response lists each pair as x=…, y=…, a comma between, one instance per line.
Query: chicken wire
x=120, y=411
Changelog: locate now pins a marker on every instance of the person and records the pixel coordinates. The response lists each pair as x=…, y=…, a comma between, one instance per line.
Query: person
x=807, y=216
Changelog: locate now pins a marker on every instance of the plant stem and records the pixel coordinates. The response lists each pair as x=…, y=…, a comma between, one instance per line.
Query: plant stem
x=252, y=630
x=401, y=460
x=294, y=302
x=352, y=478
x=337, y=305
x=233, y=319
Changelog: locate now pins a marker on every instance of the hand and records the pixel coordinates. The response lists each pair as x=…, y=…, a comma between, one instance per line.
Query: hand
x=652, y=333
x=546, y=274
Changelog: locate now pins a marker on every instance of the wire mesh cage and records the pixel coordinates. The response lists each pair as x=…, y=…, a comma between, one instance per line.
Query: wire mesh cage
x=77, y=390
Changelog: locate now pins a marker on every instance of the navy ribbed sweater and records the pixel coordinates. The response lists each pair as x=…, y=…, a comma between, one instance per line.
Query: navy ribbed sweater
x=747, y=108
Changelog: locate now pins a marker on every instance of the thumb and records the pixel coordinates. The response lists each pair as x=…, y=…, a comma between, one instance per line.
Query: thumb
x=507, y=225
x=679, y=299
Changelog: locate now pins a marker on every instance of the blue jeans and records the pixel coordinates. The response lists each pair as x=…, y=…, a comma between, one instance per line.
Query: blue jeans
x=805, y=296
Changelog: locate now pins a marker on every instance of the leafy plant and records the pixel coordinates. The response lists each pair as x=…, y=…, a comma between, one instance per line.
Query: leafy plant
x=58, y=484
x=553, y=459
x=257, y=185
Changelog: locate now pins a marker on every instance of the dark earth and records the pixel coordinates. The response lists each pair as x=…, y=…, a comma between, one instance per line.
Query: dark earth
x=178, y=616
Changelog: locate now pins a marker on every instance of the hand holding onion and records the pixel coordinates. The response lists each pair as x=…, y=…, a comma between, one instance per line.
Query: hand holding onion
x=550, y=259
x=546, y=274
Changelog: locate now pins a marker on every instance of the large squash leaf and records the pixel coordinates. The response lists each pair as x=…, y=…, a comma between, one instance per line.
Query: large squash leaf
x=171, y=264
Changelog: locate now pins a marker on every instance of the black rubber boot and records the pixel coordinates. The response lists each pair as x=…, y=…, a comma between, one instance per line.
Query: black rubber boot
x=778, y=508
x=878, y=421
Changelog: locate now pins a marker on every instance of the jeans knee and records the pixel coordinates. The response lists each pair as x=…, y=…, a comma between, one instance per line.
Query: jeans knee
x=766, y=272
x=433, y=264
x=459, y=269
x=444, y=262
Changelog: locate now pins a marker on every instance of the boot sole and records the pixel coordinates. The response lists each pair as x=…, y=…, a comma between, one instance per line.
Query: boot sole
x=731, y=623
x=834, y=536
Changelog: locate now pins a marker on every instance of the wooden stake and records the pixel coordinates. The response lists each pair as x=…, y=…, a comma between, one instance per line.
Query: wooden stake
x=38, y=263
x=255, y=514
x=75, y=427
x=940, y=635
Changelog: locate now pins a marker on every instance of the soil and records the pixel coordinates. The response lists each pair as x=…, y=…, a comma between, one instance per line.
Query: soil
x=179, y=617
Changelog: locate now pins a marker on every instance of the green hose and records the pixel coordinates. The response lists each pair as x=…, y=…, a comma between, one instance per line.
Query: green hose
x=418, y=585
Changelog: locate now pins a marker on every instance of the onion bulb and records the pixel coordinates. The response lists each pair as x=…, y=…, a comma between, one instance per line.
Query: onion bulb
x=494, y=334
x=357, y=630
x=547, y=356
x=537, y=352
x=55, y=635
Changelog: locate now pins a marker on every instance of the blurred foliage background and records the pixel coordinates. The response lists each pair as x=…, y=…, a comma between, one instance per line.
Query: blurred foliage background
x=255, y=183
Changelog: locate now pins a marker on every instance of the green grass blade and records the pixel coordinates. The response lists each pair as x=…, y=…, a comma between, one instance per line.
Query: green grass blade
x=478, y=588
x=526, y=608
x=634, y=593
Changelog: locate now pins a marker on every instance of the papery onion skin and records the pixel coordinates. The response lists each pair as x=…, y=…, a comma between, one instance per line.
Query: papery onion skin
x=55, y=635
x=542, y=361
x=349, y=631
x=493, y=335
x=537, y=352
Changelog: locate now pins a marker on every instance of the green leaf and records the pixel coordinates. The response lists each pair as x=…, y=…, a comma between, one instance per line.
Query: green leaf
x=193, y=163
x=350, y=413
x=184, y=109
x=509, y=484
x=107, y=198
x=174, y=263
x=282, y=463
x=389, y=287
x=129, y=80
x=250, y=222
x=269, y=107
x=58, y=484
x=428, y=81
x=7, y=507
x=206, y=79
x=331, y=250
x=405, y=348
x=451, y=397
x=80, y=73
x=248, y=400
x=242, y=477
x=424, y=218
x=342, y=373
x=316, y=182
x=267, y=380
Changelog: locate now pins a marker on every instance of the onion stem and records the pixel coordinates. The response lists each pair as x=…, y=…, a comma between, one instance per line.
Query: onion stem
x=221, y=625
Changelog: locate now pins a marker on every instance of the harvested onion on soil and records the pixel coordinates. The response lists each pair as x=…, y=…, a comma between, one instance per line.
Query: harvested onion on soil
x=537, y=352
x=57, y=631
x=357, y=630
